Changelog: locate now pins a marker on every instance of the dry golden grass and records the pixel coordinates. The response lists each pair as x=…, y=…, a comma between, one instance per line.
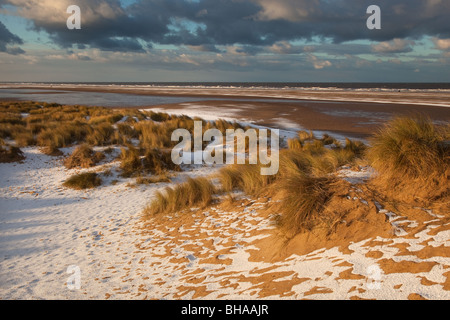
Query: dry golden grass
x=303, y=182
x=110, y=119
x=155, y=135
x=101, y=134
x=158, y=116
x=62, y=134
x=51, y=151
x=229, y=178
x=410, y=147
x=157, y=161
x=154, y=161
x=87, y=180
x=56, y=126
x=196, y=192
x=412, y=158
x=53, y=126
x=164, y=177
x=245, y=177
x=130, y=162
x=83, y=156
x=305, y=135
x=24, y=138
x=11, y=118
x=303, y=198
x=295, y=144
x=10, y=153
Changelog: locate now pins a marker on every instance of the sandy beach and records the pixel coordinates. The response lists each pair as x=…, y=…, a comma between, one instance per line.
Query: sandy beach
x=224, y=252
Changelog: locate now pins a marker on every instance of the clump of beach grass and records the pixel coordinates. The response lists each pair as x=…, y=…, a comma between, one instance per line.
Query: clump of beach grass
x=164, y=177
x=101, y=134
x=411, y=147
x=86, y=180
x=313, y=157
x=51, y=151
x=154, y=161
x=245, y=177
x=303, y=199
x=9, y=153
x=158, y=161
x=61, y=135
x=412, y=158
x=304, y=182
x=83, y=156
x=295, y=144
x=195, y=192
x=130, y=162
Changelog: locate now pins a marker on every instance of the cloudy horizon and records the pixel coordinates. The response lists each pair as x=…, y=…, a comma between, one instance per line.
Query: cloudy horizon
x=225, y=40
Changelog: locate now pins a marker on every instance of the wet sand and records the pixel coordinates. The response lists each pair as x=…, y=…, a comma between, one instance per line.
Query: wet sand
x=352, y=119
x=354, y=114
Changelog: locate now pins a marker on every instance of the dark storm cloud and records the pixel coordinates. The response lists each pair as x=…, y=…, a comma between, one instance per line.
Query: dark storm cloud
x=7, y=39
x=229, y=22
x=108, y=25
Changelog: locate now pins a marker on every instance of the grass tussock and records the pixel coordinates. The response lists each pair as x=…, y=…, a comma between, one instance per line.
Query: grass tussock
x=51, y=151
x=319, y=156
x=83, y=156
x=304, y=182
x=412, y=158
x=159, y=162
x=303, y=199
x=305, y=135
x=136, y=162
x=10, y=153
x=130, y=162
x=295, y=144
x=61, y=135
x=410, y=147
x=100, y=135
x=196, y=192
x=164, y=177
x=246, y=177
x=87, y=180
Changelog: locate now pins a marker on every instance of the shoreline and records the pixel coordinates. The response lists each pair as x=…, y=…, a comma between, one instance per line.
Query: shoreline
x=364, y=96
x=354, y=120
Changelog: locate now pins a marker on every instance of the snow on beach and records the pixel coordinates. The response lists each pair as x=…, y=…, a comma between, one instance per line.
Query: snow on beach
x=46, y=228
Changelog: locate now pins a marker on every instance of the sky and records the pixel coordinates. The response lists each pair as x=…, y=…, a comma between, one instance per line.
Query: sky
x=225, y=41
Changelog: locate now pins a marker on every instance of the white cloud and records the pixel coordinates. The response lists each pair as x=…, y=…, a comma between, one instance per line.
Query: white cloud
x=317, y=63
x=51, y=11
x=284, y=47
x=291, y=10
x=394, y=46
x=441, y=44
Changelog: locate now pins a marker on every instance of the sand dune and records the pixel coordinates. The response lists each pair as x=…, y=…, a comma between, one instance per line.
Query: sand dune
x=224, y=252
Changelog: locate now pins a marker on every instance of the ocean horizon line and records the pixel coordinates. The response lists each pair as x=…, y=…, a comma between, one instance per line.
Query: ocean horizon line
x=249, y=84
